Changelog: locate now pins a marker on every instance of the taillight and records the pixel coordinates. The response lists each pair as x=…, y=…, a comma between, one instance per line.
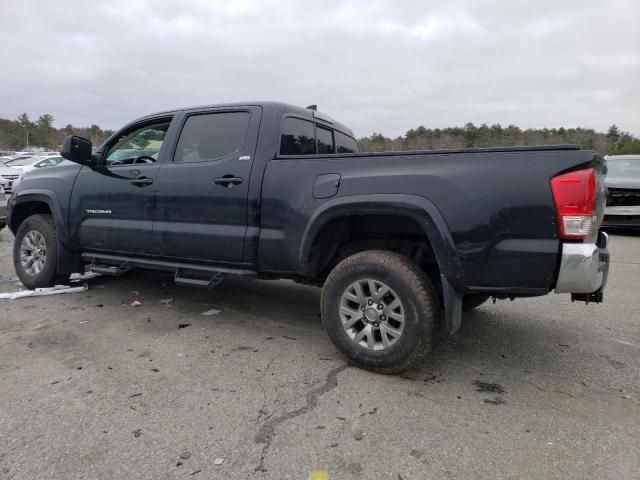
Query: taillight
x=575, y=197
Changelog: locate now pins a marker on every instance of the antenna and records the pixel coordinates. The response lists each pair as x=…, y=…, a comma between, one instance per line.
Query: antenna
x=313, y=107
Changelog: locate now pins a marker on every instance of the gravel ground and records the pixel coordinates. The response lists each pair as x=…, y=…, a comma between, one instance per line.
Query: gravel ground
x=92, y=387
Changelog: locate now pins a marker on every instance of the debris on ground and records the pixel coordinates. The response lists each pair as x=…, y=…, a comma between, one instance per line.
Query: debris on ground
x=135, y=292
x=485, y=387
x=41, y=292
x=184, y=325
x=318, y=475
x=137, y=432
x=166, y=301
x=185, y=455
x=81, y=277
x=135, y=303
x=218, y=461
x=213, y=311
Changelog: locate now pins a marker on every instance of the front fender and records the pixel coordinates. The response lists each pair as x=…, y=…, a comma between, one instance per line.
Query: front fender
x=420, y=209
x=40, y=195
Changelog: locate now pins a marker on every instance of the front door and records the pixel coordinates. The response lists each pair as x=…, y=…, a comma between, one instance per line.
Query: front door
x=202, y=189
x=113, y=206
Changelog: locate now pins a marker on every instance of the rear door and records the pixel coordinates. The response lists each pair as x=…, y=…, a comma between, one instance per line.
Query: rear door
x=113, y=207
x=202, y=189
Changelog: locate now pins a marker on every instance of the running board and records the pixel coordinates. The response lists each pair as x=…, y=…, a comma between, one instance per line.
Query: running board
x=116, y=265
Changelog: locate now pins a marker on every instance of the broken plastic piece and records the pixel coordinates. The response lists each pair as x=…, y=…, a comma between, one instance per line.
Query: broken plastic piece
x=41, y=292
x=79, y=277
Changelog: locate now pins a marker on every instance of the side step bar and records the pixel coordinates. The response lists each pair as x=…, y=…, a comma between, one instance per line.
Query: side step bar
x=110, y=270
x=210, y=284
x=210, y=276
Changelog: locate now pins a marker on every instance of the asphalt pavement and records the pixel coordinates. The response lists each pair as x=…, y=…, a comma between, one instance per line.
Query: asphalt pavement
x=92, y=387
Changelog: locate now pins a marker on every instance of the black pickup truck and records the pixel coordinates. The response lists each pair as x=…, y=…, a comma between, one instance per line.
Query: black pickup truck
x=401, y=242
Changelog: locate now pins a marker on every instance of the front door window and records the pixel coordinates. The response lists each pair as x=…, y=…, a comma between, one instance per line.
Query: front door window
x=138, y=147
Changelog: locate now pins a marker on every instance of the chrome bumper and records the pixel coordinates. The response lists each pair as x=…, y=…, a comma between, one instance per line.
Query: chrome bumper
x=623, y=210
x=584, y=267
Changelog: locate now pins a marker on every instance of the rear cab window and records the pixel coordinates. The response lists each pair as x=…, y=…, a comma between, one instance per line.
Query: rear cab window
x=298, y=137
x=304, y=137
x=346, y=144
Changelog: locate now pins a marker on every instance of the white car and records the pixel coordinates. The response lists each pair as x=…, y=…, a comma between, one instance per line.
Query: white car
x=7, y=176
x=41, y=163
x=33, y=163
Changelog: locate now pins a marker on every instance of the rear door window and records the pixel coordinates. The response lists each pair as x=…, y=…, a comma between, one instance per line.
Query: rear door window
x=207, y=137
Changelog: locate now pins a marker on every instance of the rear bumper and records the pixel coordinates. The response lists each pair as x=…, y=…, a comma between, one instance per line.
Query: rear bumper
x=584, y=268
x=621, y=221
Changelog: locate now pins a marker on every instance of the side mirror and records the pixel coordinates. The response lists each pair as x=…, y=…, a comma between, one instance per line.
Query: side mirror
x=78, y=150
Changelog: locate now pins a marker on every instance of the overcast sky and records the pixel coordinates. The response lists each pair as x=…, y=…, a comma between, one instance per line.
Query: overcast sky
x=377, y=65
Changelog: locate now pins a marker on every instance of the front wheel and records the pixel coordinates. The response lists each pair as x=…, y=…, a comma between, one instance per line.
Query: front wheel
x=380, y=310
x=35, y=251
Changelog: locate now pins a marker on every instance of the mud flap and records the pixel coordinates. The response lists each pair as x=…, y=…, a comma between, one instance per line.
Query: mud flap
x=452, y=308
x=68, y=262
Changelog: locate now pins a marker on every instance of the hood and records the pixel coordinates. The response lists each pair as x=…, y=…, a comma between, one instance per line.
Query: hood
x=9, y=170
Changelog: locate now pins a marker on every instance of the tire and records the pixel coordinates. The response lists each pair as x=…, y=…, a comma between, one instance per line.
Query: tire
x=408, y=342
x=469, y=302
x=41, y=233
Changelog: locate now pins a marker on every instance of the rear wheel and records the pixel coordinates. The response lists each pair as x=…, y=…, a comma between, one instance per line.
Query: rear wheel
x=380, y=310
x=35, y=252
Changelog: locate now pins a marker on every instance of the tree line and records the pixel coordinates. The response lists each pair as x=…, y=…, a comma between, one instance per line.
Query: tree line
x=612, y=142
x=22, y=133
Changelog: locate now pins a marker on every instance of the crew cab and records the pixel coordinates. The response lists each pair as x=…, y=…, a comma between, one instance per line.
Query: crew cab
x=401, y=242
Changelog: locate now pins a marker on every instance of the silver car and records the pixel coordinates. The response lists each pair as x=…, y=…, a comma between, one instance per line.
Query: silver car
x=623, y=182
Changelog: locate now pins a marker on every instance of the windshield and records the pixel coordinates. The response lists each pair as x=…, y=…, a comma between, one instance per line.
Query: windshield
x=623, y=167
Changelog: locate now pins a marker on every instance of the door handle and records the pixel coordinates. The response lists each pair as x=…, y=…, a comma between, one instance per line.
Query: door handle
x=142, y=182
x=228, y=181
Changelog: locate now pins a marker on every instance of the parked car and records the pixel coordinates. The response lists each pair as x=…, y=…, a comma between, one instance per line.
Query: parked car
x=21, y=160
x=38, y=162
x=45, y=163
x=7, y=176
x=401, y=242
x=623, y=183
x=3, y=209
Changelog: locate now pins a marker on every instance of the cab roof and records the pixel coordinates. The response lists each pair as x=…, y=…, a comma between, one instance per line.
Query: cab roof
x=283, y=107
